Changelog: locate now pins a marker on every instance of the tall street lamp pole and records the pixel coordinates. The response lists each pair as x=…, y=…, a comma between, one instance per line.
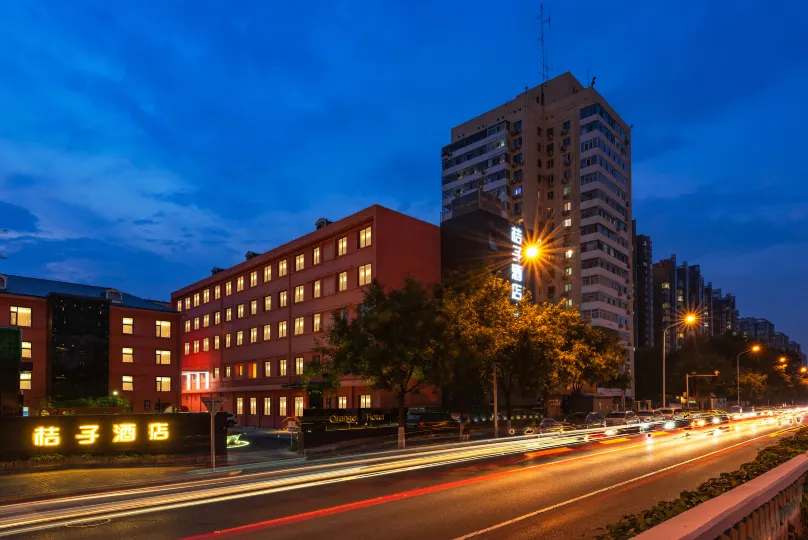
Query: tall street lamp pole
x=689, y=319
x=755, y=348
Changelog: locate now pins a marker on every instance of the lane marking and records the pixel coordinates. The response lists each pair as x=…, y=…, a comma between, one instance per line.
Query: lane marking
x=604, y=490
x=550, y=452
x=613, y=441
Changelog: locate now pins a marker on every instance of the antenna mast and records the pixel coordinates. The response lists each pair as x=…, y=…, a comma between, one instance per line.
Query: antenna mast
x=545, y=69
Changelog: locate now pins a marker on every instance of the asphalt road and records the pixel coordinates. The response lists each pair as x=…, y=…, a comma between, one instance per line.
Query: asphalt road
x=563, y=492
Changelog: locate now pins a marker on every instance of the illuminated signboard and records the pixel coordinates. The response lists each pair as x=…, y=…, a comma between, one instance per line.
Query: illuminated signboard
x=517, y=287
x=24, y=437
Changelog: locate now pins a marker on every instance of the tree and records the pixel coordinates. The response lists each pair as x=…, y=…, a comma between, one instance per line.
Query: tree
x=393, y=341
x=323, y=378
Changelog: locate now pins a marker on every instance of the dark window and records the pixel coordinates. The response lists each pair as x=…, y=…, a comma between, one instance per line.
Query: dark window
x=550, y=195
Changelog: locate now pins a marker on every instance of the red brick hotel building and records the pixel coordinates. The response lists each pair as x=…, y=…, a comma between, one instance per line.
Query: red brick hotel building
x=249, y=330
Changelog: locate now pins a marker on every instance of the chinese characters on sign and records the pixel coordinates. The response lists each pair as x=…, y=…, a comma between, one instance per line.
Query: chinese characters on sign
x=89, y=434
x=516, y=264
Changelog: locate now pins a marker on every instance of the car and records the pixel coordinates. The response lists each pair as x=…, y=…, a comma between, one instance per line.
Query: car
x=650, y=419
x=667, y=413
x=550, y=425
x=431, y=421
x=622, y=419
x=717, y=417
x=586, y=420
x=231, y=420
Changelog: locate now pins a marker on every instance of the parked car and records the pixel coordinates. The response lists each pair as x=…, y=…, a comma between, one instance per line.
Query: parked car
x=231, y=420
x=431, y=421
x=550, y=425
x=667, y=413
x=586, y=420
x=622, y=419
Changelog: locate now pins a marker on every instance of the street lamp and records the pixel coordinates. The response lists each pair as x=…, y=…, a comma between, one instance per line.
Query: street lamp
x=114, y=392
x=687, y=383
x=689, y=319
x=754, y=349
x=803, y=369
x=783, y=359
x=531, y=252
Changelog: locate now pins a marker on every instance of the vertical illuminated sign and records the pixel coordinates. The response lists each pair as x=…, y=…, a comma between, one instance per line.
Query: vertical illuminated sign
x=516, y=264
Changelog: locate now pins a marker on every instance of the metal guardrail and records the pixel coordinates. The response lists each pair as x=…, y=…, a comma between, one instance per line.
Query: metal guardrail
x=761, y=508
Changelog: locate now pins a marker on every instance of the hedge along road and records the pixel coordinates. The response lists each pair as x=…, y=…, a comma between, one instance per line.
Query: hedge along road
x=456, y=500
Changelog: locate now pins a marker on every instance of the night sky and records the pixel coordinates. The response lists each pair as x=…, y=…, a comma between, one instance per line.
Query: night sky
x=142, y=143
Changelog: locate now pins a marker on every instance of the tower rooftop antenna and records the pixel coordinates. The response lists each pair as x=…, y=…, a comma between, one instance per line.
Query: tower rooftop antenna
x=545, y=68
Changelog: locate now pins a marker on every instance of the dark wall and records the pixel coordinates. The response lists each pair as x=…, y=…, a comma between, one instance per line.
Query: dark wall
x=186, y=433
x=477, y=239
x=10, y=357
x=80, y=347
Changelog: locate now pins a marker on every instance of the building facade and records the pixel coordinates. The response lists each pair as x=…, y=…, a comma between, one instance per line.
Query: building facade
x=559, y=159
x=82, y=341
x=250, y=330
x=724, y=313
x=781, y=341
x=761, y=330
x=643, y=289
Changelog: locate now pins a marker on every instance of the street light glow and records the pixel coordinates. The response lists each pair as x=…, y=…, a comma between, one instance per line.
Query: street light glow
x=803, y=369
x=531, y=251
x=783, y=359
x=690, y=319
x=755, y=348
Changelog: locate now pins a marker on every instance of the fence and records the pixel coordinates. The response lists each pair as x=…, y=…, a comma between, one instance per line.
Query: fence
x=761, y=508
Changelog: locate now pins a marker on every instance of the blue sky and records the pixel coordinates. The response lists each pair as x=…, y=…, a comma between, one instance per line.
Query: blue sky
x=142, y=143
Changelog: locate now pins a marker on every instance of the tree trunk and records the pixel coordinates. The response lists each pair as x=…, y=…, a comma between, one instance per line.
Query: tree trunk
x=402, y=419
x=508, y=407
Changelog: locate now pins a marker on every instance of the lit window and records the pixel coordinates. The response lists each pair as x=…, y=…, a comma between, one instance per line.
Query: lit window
x=300, y=262
x=128, y=355
x=188, y=325
x=568, y=271
x=240, y=337
x=25, y=380
x=567, y=223
x=282, y=405
x=342, y=246
x=316, y=256
x=342, y=402
x=239, y=370
x=253, y=278
x=568, y=302
x=299, y=294
x=282, y=329
x=128, y=383
x=240, y=283
x=299, y=365
x=187, y=349
x=128, y=325
x=282, y=299
x=343, y=281
x=163, y=384
x=206, y=345
x=253, y=405
x=228, y=314
x=299, y=406
x=226, y=341
x=227, y=371
x=196, y=299
x=253, y=370
x=364, y=401
x=253, y=335
x=239, y=405
x=267, y=273
x=188, y=303
x=215, y=373
x=217, y=292
x=164, y=357
x=568, y=254
x=317, y=289
x=567, y=287
x=216, y=342
x=666, y=285
x=179, y=305
x=206, y=296
x=267, y=303
x=567, y=206
x=206, y=320
x=267, y=332
x=26, y=349
x=254, y=307
x=364, y=237
x=282, y=368
x=196, y=323
x=196, y=346
x=267, y=406
x=316, y=322
x=282, y=268
x=299, y=326
x=20, y=316
x=217, y=317
x=267, y=369
x=364, y=274
x=228, y=288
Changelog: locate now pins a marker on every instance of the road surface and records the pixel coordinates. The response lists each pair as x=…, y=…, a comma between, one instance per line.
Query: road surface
x=511, y=489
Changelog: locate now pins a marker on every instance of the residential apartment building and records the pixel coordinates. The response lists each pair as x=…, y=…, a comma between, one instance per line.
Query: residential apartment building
x=83, y=341
x=249, y=331
x=643, y=289
x=724, y=313
x=781, y=341
x=761, y=330
x=558, y=157
x=679, y=290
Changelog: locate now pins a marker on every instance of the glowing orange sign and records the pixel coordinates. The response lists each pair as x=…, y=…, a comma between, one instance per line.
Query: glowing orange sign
x=124, y=432
x=47, y=436
x=158, y=431
x=87, y=434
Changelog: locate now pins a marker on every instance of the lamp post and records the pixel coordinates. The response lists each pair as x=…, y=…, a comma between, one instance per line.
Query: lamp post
x=755, y=348
x=688, y=376
x=689, y=319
